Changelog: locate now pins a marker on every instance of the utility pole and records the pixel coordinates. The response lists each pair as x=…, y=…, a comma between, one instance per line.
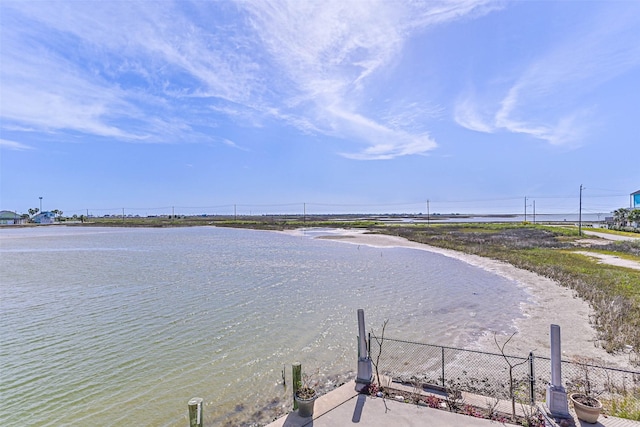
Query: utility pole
x=304, y=213
x=534, y=211
x=525, y=208
x=428, y=217
x=40, y=204
x=580, y=214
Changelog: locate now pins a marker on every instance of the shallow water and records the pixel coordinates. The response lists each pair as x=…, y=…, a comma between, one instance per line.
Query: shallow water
x=107, y=326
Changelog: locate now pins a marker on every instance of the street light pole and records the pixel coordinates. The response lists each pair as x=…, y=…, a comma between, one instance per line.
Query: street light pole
x=40, y=204
x=534, y=211
x=580, y=214
x=428, y=214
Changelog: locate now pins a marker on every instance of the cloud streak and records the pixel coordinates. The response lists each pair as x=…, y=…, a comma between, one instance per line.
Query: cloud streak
x=129, y=88
x=13, y=145
x=546, y=100
x=330, y=53
x=154, y=72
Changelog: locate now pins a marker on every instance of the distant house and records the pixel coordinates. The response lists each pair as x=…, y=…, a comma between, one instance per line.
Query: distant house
x=10, y=218
x=44, y=218
x=635, y=199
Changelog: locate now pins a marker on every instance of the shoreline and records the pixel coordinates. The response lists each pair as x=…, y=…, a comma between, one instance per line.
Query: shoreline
x=548, y=303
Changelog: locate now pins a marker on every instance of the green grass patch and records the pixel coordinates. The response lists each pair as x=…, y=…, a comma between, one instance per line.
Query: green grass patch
x=626, y=407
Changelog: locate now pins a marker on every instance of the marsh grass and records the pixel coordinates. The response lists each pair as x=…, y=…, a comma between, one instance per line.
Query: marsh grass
x=266, y=222
x=626, y=407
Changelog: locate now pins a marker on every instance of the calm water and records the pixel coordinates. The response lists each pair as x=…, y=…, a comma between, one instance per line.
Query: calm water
x=112, y=327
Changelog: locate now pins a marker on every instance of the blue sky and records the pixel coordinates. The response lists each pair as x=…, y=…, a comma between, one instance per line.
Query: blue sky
x=329, y=106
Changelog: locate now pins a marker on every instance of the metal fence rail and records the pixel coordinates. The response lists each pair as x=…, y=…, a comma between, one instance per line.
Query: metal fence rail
x=489, y=374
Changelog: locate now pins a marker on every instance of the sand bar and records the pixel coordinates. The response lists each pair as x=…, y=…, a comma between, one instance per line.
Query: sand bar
x=550, y=303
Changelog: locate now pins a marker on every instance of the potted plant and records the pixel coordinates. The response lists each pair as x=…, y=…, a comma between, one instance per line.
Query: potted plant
x=586, y=406
x=305, y=397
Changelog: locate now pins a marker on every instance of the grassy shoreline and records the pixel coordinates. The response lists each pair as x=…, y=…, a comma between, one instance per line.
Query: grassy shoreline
x=612, y=291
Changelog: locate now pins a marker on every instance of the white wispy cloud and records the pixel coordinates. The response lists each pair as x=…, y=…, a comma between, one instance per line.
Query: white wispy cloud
x=467, y=115
x=411, y=115
x=155, y=72
x=232, y=144
x=330, y=50
x=383, y=142
x=131, y=63
x=14, y=145
x=37, y=91
x=546, y=100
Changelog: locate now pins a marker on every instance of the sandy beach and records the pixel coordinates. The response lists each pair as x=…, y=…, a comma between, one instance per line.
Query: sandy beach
x=550, y=303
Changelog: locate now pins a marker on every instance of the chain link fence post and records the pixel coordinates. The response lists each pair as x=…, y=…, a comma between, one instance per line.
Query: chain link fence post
x=532, y=379
x=443, y=382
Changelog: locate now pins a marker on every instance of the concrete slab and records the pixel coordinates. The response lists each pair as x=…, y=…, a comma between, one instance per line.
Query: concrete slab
x=344, y=406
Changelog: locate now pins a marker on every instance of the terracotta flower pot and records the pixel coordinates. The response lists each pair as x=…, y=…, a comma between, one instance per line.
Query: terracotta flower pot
x=586, y=413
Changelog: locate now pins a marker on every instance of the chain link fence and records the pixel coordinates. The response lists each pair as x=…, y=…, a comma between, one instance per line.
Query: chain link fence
x=611, y=385
x=490, y=374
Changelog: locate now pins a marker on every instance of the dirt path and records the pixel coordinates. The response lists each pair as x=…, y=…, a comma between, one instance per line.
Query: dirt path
x=607, y=236
x=611, y=260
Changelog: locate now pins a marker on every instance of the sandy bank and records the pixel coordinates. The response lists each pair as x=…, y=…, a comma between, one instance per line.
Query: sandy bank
x=549, y=304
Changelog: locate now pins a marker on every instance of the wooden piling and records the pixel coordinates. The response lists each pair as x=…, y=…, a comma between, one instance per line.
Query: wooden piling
x=195, y=412
x=296, y=371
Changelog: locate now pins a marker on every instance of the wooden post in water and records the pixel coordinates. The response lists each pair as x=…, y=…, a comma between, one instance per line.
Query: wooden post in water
x=296, y=371
x=195, y=412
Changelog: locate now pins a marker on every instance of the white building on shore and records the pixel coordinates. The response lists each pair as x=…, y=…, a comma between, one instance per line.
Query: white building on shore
x=44, y=218
x=10, y=218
